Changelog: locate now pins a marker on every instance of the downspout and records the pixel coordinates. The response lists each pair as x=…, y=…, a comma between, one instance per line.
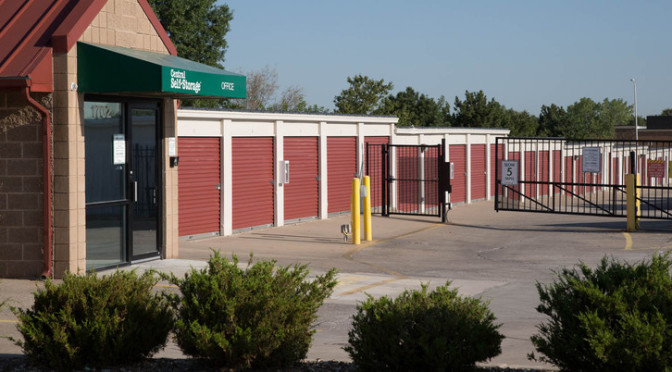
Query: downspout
x=47, y=183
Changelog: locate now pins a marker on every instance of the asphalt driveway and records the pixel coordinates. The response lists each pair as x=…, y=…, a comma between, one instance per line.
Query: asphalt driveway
x=497, y=256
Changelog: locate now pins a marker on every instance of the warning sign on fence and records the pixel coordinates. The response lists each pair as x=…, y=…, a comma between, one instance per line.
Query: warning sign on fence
x=655, y=168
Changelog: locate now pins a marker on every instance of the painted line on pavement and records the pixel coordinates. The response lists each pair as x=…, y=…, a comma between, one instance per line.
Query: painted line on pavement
x=8, y=321
x=628, y=244
x=397, y=276
x=369, y=286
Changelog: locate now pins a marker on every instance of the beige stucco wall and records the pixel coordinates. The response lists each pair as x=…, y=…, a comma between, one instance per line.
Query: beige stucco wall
x=120, y=23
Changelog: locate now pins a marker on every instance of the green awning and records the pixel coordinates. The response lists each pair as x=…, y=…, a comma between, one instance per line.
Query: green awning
x=107, y=69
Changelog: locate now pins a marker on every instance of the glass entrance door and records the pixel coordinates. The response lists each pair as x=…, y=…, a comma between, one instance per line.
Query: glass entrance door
x=123, y=184
x=144, y=178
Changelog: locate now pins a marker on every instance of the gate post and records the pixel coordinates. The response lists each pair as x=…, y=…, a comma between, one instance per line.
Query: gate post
x=384, y=196
x=632, y=202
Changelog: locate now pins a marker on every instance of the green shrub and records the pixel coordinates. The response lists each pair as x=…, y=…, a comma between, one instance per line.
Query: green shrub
x=421, y=331
x=254, y=318
x=91, y=321
x=617, y=317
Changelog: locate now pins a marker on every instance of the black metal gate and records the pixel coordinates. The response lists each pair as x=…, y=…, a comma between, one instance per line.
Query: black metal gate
x=408, y=179
x=556, y=175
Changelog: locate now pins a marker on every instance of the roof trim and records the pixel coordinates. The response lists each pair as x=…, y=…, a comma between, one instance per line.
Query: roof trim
x=15, y=82
x=69, y=32
x=72, y=28
x=158, y=26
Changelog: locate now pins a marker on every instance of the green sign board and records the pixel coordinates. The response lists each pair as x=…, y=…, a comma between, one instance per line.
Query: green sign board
x=105, y=69
x=181, y=80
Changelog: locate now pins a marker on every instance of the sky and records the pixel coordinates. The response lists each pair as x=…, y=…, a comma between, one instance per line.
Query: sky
x=524, y=54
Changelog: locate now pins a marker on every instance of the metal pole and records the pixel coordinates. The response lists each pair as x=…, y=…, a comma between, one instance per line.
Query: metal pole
x=634, y=83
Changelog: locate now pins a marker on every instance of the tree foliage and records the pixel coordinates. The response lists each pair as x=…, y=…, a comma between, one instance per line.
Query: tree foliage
x=666, y=112
x=476, y=111
x=198, y=29
x=614, y=317
x=262, y=91
x=415, y=109
x=364, y=96
x=551, y=118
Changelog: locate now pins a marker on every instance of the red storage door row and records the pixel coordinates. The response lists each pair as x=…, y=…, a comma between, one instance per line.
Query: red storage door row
x=496, y=155
x=253, y=180
x=479, y=175
x=198, y=176
x=342, y=166
x=530, y=174
x=458, y=156
x=544, y=171
x=431, y=189
x=302, y=191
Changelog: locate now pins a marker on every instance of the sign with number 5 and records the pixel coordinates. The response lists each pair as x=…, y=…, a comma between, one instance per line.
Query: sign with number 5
x=509, y=172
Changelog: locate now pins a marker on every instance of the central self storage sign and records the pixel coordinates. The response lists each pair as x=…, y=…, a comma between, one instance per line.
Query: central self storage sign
x=509, y=172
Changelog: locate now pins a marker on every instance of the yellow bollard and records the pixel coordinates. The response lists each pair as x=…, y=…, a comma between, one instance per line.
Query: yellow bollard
x=632, y=205
x=354, y=212
x=368, y=234
x=638, y=202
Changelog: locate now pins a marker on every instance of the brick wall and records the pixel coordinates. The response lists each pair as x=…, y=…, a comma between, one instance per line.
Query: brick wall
x=21, y=212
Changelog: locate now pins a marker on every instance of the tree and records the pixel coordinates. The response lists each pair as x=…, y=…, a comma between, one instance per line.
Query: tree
x=476, y=111
x=293, y=100
x=197, y=28
x=262, y=87
x=414, y=109
x=612, y=113
x=521, y=124
x=666, y=112
x=589, y=119
x=551, y=119
x=364, y=96
x=582, y=120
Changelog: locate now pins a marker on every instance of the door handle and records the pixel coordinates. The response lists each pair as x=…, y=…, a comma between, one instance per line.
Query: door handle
x=135, y=191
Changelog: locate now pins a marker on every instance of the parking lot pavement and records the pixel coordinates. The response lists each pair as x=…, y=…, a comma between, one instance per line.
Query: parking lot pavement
x=496, y=256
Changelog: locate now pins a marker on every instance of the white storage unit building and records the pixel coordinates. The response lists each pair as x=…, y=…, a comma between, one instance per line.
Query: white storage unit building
x=322, y=154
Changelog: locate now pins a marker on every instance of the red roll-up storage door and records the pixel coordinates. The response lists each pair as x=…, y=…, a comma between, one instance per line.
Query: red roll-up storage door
x=341, y=167
x=531, y=174
x=458, y=156
x=557, y=168
x=199, y=173
x=374, y=164
x=253, y=161
x=302, y=191
x=544, y=171
x=478, y=176
x=495, y=163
